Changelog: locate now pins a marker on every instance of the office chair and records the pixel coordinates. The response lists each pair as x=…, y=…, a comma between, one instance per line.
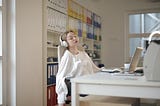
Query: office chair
x=61, y=50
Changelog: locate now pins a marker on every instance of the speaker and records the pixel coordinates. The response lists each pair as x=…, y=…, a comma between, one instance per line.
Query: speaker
x=151, y=61
x=63, y=43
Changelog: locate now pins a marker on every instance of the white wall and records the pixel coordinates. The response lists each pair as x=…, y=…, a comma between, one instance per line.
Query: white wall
x=25, y=74
x=113, y=27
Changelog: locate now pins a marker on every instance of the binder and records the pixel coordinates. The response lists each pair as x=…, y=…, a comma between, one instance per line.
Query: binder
x=48, y=75
x=52, y=70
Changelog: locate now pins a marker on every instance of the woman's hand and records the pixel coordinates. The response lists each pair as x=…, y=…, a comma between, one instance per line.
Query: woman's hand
x=69, y=98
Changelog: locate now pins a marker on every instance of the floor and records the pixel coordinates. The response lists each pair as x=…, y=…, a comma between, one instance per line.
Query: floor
x=142, y=104
x=93, y=100
x=145, y=104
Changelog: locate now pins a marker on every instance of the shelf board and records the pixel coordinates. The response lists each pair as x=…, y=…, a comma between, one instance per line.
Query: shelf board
x=52, y=47
x=97, y=41
x=97, y=59
x=88, y=39
x=89, y=49
x=55, y=32
x=57, y=8
x=51, y=62
x=51, y=84
x=98, y=50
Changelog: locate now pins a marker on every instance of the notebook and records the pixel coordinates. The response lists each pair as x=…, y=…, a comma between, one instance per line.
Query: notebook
x=133, y=64
x=132, y=67
x=135, y=59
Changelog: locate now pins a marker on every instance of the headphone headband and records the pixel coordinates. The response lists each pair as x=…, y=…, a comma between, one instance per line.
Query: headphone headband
x=151, y=35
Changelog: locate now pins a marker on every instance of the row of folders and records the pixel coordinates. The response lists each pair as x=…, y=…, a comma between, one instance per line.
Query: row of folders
x=60, y=5
x=83, y=29
x=78, y=18
x=52, y=70
x=56, y=21
x=74, y=9
x=80, y=12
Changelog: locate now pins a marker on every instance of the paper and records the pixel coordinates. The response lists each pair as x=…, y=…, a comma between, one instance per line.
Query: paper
x=111, y=70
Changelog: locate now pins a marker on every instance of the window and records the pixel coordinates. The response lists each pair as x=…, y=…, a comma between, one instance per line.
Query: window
x=144, y=23
x=140, y=25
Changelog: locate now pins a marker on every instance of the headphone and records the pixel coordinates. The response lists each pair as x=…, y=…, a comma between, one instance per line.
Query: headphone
x=62, y=42
x=151, y=35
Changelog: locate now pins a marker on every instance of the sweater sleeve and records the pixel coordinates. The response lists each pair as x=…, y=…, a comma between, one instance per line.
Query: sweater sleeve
x=95, y=68
x=64, y=69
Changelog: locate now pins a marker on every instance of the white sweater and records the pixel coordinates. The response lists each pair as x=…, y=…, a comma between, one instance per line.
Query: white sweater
x=72, y=66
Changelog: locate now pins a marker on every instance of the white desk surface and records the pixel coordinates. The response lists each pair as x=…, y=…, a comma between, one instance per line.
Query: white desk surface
x=103, y=83
x=106, y=78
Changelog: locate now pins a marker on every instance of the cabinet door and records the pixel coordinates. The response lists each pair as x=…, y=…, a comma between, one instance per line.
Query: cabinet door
x=51, y=96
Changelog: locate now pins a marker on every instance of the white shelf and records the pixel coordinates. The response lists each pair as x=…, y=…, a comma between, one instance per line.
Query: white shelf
x=89, y=49
x=97, y=50
x=54, y=32
x=51, y=84
x=52, y=47
x=97, y=59
x=51, y=62
x=56, y=22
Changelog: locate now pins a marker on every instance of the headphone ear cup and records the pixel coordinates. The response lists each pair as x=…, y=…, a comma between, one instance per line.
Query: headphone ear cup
x=64, y=43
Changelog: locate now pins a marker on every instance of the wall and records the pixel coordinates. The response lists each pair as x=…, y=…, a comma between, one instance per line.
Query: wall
x=25, y=74
x=113, y=27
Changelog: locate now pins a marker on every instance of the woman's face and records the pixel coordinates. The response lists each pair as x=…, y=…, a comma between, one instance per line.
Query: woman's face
x=72, y=39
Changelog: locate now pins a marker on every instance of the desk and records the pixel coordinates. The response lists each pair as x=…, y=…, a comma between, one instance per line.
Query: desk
x=102, y=83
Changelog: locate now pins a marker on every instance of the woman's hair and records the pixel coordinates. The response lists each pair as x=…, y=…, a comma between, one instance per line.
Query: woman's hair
x=64, y=36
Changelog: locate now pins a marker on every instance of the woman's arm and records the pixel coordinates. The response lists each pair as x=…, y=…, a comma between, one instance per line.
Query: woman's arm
x=95, y=68
x=64, y=69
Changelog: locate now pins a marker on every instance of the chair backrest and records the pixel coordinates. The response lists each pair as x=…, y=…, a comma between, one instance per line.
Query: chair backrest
x=61, y=50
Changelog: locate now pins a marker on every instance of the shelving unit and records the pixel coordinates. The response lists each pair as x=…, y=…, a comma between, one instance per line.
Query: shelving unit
x=55, y=17
x=59, y=16
x=87, y=25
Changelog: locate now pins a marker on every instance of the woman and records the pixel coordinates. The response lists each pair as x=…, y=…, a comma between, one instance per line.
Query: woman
x=73, y=63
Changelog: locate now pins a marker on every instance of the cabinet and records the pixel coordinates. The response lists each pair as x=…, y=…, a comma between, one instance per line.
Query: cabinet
x=55, y=19
x=59, y=16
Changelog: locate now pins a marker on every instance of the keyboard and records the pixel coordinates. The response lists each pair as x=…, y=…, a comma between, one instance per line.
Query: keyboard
x=127, y=74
